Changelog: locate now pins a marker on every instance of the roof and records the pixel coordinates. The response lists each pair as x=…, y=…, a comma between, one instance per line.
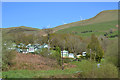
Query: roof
x=83, y=52
x=24, y=50
x=64, y=51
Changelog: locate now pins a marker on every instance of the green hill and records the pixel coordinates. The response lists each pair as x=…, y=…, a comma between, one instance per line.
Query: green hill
x=103, y=22
x=23, y=29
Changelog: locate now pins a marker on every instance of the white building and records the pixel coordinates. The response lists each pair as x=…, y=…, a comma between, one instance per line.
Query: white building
x=46, y=46
x=31, y=49
x=78, y=56
x=71, y=55
x=83, y=53
x=65, y=53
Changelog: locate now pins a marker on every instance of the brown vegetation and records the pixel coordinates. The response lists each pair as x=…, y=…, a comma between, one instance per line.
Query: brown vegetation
x=33, y=62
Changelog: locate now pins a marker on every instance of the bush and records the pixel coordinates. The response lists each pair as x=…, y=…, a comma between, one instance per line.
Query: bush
x=90, y=70
x=56, y=54
x=53, y=54
x=67, y=60
x=44, y=52
x=107, y=71
x=7, y=56
x=111, y=55
x=7, y=59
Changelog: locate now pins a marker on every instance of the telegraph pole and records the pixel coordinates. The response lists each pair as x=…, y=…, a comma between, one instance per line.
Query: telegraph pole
x=95, y=53
x=62, y=60
x=48, y=42
x=90, y=54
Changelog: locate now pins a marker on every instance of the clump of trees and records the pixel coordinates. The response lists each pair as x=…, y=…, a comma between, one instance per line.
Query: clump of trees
x=95, y=50
x=70, y=42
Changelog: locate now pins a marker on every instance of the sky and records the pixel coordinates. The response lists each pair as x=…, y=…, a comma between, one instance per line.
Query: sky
x=50, y=14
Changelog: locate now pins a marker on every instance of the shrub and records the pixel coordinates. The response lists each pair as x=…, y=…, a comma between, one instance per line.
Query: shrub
x=44, y=52
x=111, y=55
x=107, y=71
x=67, y=60
x=56, y=54
x=90, y=70
x=7, y=59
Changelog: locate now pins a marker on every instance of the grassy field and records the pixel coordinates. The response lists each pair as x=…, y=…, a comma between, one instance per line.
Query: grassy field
x=37, y=73
x=45, y=73
x=98, y=29
x=81, y=70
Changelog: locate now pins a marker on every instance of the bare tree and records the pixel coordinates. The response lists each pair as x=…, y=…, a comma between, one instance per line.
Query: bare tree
x=75, y=44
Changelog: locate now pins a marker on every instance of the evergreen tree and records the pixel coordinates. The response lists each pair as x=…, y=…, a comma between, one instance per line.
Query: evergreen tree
x=96, y=49
x=58, y=55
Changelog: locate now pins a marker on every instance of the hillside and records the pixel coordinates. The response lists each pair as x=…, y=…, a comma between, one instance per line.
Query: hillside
x=23, y=29
x=102, y=23
x=104, y=16
x=87, y=30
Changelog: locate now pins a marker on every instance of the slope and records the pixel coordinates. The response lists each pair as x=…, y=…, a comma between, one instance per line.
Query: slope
x=104, y=16
x=101, y=24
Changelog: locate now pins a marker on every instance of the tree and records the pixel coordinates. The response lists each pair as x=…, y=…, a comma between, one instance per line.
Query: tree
x=70, y=42
x=103, y=42
x=58, y=55
x=96, y=49
x=58, y=40
x=75, y=44
x=48, y=32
